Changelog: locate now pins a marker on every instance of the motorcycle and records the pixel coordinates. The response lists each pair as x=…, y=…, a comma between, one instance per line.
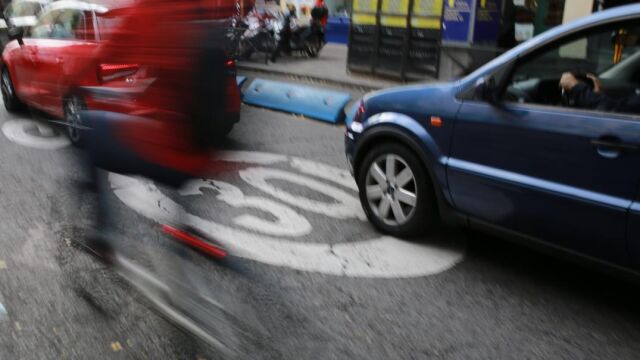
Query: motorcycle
x=305, y=39
x=253, y=34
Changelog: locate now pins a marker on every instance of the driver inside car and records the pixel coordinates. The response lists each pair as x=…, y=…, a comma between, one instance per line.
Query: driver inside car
x=583, y=96
x=579, y=94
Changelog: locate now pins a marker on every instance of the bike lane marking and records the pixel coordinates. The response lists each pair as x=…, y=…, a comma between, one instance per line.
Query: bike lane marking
x=34, y=134
x=378, y=257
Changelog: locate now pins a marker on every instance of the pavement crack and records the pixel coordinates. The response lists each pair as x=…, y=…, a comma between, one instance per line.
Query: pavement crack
x=343, y=262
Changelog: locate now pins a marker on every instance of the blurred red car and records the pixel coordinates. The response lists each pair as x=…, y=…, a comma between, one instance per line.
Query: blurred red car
x=73, y=48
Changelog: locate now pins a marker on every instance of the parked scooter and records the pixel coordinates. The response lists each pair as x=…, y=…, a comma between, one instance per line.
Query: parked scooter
x=305, y=39
x=253, y=34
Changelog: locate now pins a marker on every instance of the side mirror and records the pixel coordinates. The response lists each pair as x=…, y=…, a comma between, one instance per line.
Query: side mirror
x=487, y=90
x=16, y=33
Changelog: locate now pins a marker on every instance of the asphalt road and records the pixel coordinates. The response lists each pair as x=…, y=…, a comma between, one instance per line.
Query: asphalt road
x=321, y=286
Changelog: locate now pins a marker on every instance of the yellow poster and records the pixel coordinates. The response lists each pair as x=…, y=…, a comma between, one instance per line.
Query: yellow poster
x=364, y=12
x=394, y=13
x=427, y=14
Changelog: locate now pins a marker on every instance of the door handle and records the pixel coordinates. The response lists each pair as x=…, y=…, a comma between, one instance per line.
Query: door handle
x=611, y=147
x=615, y=145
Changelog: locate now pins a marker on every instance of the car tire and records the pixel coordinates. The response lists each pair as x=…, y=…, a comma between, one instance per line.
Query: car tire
x=396, y=191
x=9, y=96
x=72, y=107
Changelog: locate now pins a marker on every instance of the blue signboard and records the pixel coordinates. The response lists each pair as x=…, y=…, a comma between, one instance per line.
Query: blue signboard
x=456, y=20
x=487, y=21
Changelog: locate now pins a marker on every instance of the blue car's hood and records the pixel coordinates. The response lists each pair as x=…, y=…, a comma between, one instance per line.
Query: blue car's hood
x=406, y=92
x=424, y=98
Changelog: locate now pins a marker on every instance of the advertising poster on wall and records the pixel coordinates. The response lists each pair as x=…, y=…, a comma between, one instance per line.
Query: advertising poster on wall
x=364, y=12
x=456, y=20
x=394, y=13
x=426, y=14
x=487, y=22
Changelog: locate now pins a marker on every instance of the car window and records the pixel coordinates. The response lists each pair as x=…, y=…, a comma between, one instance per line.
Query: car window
x=87, y=31
x=108, y=24
x=62, y=24
x=43, y=28
x=22, y=9
x=611, y=54
x=69, y=24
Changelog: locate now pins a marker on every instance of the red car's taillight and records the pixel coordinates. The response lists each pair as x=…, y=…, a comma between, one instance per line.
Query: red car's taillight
x=109, y=72
x=230, y=65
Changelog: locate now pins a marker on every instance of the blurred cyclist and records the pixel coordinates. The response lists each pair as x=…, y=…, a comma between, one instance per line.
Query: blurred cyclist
x=169, y=137
x=180, y=90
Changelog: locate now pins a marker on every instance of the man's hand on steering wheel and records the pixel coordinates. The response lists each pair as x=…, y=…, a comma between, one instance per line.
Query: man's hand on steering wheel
x=597, y=84
x=568, y=81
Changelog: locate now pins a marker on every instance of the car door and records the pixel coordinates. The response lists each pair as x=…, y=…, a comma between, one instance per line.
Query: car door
x=57, y=54
x=532, y=166
x=29, y=70
x=633, y=232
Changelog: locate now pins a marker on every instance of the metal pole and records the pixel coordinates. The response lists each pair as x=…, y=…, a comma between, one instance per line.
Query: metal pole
x=406, y=43
x=472, y=21
x=376, y=38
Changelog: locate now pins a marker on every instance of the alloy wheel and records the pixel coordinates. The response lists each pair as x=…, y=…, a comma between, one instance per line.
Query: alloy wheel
x=7, y=88
x=72, y=109
x=391, y=189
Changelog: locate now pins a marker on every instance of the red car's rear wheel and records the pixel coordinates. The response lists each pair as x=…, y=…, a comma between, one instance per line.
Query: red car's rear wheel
x=73, y=105
x=11, y=101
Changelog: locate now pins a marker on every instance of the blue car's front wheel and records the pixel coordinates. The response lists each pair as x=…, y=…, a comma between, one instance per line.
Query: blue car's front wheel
x=395, y=191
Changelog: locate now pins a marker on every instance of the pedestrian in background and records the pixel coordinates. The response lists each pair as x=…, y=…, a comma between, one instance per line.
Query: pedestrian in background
x=320, y=13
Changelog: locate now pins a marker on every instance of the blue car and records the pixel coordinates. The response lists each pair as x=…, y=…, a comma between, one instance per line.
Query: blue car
x=540, y=144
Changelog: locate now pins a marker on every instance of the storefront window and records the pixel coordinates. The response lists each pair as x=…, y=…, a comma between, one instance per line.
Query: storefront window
x=533, y=17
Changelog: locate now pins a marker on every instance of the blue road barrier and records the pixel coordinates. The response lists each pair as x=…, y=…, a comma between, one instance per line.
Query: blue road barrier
x=321, y=104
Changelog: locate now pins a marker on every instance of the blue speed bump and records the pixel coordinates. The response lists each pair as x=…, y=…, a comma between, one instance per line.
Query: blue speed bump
x=321, y=104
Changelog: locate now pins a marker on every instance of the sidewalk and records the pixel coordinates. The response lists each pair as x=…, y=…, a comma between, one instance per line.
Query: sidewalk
x=329, y=67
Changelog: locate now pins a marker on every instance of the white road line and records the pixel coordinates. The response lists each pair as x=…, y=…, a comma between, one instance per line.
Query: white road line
x=49, y=139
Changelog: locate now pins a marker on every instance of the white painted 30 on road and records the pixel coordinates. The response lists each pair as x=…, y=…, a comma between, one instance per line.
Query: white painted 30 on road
x=273, y=242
